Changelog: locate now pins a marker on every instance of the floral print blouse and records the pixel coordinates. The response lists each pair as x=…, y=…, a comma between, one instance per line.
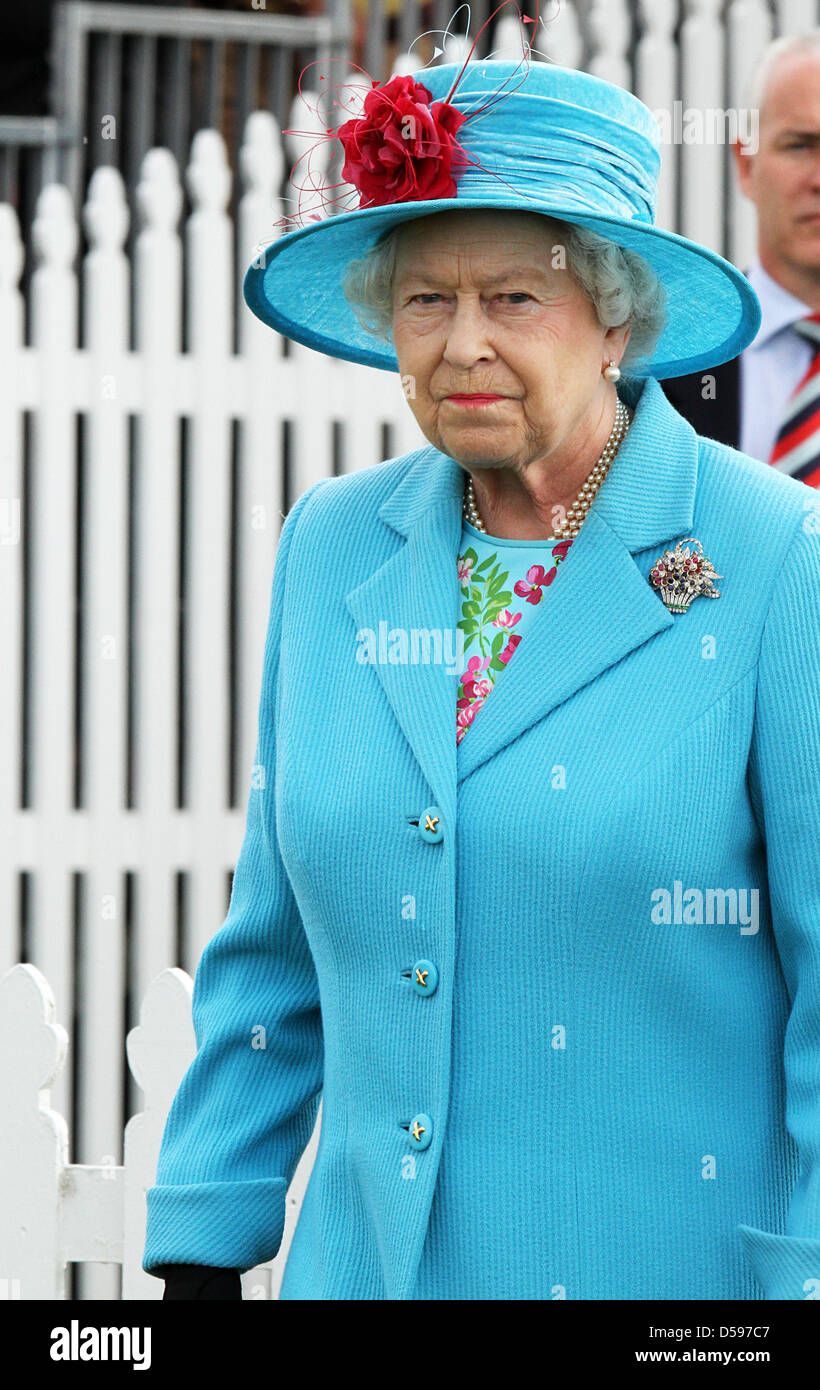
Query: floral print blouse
x=502, y=582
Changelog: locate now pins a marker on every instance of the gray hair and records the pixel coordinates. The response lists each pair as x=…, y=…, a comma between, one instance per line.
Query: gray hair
x=770, y=57
x=620, y=284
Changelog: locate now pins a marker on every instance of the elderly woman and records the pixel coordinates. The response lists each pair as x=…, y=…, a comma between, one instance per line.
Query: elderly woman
x=528, y=893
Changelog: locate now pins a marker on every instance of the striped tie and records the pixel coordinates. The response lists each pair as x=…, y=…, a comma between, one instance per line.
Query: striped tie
x=797, y=447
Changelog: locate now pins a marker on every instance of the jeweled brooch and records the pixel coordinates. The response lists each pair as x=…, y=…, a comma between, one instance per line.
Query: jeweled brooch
x=681, y=575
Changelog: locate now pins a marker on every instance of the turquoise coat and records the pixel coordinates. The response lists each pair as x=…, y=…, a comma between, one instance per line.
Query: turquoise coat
x=559, y=992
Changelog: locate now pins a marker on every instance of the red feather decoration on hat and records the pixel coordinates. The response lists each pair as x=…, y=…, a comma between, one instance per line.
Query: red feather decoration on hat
x=402, y=146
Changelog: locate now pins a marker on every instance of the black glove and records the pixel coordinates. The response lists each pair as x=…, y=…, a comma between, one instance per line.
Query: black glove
x=201, y=1281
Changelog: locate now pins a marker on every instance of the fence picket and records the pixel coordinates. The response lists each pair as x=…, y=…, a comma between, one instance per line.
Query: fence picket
x=208, y=501
x=33, y=1136
x=157, y=344
x=748, y=30
x=12, y=520
x=51, y=511
x=562, y=37
x=260, y=484
x=105, y=654
x=702, y=163
x=656, y=83
x=610, y=31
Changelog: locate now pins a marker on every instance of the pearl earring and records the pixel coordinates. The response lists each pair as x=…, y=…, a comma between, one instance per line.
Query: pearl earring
x=612, y=373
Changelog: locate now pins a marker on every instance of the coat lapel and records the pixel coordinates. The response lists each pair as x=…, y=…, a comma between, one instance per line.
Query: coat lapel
x=415, y=590
x=599, y=608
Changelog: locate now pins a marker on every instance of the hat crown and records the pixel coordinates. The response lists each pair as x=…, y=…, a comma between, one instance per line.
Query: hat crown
x=523, y=137
x=549, y=133
x=493, y=76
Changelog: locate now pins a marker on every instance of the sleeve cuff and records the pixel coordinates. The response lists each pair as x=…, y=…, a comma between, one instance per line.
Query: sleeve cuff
x=784, y=1266
x=234, y=1225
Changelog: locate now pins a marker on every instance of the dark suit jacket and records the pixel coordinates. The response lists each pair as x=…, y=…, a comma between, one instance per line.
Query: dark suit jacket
x=718, y=416
x=710, y=401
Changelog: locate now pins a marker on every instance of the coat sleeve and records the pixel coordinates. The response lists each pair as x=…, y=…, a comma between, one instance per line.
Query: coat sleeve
x=784, y=779
x=246, y=1107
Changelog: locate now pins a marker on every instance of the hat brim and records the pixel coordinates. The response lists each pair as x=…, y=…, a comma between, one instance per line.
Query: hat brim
x=295, y=285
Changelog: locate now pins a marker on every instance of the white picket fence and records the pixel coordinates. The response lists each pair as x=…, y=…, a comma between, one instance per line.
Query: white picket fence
x=145, y=693
x=116, y=672
x=54, y=1211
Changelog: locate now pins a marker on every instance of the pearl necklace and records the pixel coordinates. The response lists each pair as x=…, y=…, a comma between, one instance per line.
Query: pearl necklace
x=578, y=511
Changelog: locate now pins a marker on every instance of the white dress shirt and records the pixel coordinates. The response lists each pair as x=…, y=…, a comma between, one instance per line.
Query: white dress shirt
x=772, y=365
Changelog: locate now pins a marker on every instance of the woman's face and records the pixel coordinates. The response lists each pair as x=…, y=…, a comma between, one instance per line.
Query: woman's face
x=483, y=302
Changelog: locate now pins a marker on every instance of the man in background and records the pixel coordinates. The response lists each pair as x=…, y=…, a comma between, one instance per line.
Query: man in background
x=766, y=402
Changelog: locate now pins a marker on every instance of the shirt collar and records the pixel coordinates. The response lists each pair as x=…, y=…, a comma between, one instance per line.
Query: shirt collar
x=780, y=307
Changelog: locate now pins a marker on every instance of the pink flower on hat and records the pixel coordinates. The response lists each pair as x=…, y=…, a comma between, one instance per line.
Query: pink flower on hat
x=402, y=148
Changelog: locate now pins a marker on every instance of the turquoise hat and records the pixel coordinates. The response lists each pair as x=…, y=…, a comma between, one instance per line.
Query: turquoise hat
x=537, y=139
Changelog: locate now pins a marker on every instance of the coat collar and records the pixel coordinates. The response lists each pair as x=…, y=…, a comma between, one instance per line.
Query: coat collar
x=600, y=608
